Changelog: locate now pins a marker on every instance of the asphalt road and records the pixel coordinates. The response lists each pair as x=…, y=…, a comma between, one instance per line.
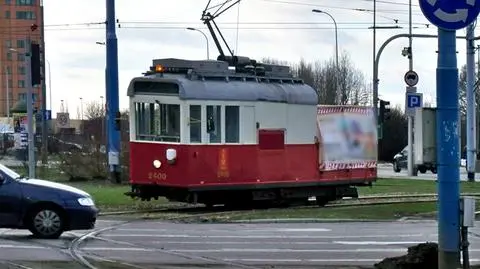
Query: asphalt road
x=307, y=244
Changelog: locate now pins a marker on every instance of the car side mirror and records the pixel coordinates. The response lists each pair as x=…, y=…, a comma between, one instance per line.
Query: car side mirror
x=2, y=179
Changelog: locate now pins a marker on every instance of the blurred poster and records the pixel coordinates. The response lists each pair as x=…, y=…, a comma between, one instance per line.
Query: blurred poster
x=348, y=137
x=20, y=122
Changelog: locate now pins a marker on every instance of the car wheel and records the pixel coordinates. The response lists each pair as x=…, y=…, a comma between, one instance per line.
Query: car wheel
x=434, y=170
x=396, y=168
x=46, y=223
x=422, y=169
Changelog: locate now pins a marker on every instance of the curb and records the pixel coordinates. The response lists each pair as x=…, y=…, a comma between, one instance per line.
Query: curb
x=308, y=220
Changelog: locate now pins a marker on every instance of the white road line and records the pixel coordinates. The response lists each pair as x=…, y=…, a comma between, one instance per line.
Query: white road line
x=290, y=230
x=21, y=247
x=237, y=243
x=261, y=236
x=313, y=260
x=376, y=242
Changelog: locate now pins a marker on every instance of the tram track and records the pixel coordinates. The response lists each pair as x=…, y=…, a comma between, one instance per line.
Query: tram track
x=183, y=213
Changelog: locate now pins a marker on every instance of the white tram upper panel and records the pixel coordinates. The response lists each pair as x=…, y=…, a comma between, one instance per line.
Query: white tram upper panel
x=213, y=80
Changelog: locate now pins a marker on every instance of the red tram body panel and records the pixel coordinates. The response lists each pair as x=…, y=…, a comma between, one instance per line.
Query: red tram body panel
x=192, y=145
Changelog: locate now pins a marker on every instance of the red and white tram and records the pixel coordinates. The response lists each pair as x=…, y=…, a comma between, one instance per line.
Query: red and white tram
x=203, y=133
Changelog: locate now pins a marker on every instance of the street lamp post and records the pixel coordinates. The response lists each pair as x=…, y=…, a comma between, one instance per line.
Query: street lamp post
x=336, y=51
x=206, y=38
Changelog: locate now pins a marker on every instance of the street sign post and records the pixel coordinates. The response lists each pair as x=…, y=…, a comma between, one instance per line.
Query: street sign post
x=448, y=16
x=412, y=101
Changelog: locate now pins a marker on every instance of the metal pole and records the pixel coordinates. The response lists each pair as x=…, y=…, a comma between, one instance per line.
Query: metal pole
x=447, y=151
x=7, y=84
x=410, y=165
x=44, y=89
x=377, y=60
x=112, y=93
x=206, y=38
x=471, y=149
x=31, y=149
x=339, y=94
x=375, y=64
x=50, y=86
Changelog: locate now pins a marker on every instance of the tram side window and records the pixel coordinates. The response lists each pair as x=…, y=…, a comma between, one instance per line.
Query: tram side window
x=158, y=122
x=232, y=124
x=214, y=124
x=195, y=123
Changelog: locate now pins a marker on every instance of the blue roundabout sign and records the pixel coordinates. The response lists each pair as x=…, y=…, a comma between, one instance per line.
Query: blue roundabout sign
x=450, y=14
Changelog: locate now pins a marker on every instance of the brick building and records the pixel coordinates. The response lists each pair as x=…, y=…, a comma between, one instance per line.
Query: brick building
x=16, y=19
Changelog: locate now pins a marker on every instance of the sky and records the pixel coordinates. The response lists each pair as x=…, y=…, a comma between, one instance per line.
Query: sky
x=287, y=30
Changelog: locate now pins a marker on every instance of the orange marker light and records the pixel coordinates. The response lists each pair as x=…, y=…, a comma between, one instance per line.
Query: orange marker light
x=159, y=68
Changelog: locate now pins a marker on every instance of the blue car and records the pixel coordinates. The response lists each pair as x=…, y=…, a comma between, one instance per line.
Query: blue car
x=45, y=208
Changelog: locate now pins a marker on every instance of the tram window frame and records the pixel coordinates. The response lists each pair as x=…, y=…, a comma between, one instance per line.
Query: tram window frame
x=232, y=124
x=158, y=122
x=214, y=124
x=195, y=122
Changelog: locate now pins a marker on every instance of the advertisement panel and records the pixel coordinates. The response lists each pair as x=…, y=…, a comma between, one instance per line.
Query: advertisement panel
x=348, y=137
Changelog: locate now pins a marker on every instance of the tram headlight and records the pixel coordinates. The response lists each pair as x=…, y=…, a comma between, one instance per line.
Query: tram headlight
x=171, y=156
x=157, y=164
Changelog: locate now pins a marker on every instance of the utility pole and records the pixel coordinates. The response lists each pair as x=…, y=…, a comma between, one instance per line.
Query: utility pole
x=30, y=83
x=470, y=92
x=112, y=97
x=44, y=89
x=410, y=165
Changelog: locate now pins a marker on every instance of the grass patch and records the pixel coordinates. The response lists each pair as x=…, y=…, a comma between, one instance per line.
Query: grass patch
x=410, y=186
x=110, y=197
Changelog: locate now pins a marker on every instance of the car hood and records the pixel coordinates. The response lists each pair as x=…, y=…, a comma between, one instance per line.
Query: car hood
x=54, y=185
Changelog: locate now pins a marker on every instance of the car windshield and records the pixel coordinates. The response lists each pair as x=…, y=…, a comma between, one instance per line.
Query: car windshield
x=9, y=172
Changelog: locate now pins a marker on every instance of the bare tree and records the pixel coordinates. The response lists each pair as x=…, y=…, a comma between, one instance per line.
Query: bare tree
x=94, y=110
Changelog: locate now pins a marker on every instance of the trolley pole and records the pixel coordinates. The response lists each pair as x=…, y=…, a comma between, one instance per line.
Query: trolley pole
x=112, y=97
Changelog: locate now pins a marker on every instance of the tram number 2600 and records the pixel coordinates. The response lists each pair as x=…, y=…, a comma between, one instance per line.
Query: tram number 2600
x=157, y=176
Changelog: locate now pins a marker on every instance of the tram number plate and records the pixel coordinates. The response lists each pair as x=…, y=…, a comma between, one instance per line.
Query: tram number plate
x=157, y=176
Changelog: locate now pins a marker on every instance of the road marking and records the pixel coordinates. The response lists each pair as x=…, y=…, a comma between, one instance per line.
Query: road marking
x=313, y=260
x=376, y=242
x=237, y=243
x=21, y=247
x=229, y=231
x=242, y=250
x=276, y=250
x=262, y=236
x=290, y=230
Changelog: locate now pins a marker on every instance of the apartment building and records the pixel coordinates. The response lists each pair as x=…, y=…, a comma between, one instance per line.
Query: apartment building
x=16, y=20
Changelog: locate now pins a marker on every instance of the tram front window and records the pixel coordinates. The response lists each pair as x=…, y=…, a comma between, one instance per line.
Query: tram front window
x=157, y=122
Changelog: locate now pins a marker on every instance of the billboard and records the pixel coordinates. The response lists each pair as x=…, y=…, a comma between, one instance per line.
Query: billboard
x=347, y=137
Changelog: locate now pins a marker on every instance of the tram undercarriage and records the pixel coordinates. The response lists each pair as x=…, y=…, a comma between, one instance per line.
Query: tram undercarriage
x=242, y=196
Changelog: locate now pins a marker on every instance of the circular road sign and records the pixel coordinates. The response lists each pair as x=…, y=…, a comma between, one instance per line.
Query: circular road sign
x=411, y=78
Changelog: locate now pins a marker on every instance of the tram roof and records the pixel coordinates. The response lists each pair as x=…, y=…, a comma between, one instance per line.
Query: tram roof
x=224, y=85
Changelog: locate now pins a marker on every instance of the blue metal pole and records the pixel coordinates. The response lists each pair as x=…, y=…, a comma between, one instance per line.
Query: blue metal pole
x=471, y=149
x=112, y=93
x=448, y=151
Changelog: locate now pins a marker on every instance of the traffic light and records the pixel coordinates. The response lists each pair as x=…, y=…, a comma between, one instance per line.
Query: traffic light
x=118, y=120
x=35, y=64
x=384, y=112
